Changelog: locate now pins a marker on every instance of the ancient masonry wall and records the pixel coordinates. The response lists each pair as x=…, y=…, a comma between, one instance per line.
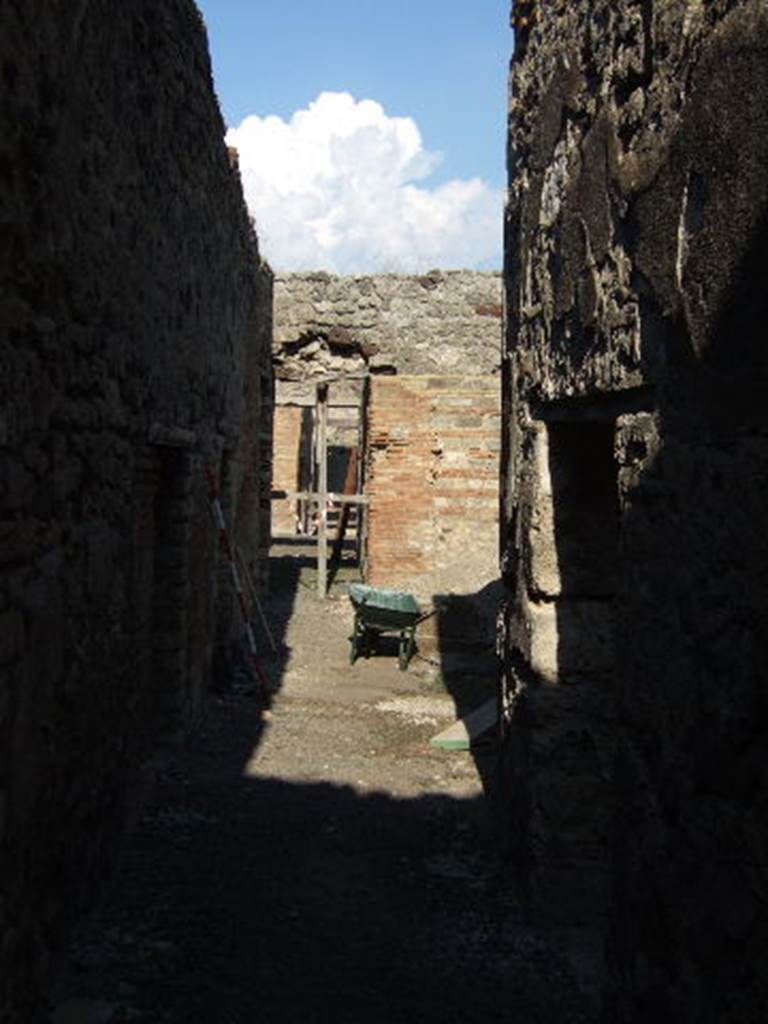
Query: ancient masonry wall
x=440, y=326
x=634, y=469
x=440, y=323
x=135, y=333
x=289, y=445
x=433, y=483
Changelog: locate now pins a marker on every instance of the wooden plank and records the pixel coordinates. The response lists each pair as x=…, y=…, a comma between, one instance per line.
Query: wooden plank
x=340, y=378
x=339, y=499
x=460, y=735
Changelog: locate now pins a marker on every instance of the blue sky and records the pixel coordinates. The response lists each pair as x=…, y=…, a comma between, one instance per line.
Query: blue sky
x=441, y=65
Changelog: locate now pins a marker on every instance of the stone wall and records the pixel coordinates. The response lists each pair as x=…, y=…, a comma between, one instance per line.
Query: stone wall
x=442, y=322
x=350, y=327
x=135, y=335
x=634, y=469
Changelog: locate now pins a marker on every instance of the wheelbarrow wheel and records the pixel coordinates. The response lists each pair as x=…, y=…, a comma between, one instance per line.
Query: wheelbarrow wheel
x=405, y=653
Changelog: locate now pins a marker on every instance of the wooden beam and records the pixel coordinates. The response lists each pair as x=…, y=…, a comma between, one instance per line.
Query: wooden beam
x=321, y=424
x=350, y=488
x=308, y=402
x=332, y=378
x=337, y=499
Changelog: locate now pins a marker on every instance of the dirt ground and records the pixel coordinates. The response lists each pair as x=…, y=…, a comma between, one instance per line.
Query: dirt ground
x=327, y=865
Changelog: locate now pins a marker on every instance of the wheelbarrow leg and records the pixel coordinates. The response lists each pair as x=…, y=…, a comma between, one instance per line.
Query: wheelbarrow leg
x=369, y=641
x=407, y=645
x=362, y=639
x=356, y=639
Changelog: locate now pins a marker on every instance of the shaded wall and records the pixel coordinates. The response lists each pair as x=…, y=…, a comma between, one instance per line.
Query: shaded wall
x=134, y=343
x=634, y=474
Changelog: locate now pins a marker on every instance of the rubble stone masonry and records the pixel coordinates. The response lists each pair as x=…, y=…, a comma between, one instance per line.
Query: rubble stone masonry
x=636, y=494
x=439, y=323
x=135, y=331
x=440, y=334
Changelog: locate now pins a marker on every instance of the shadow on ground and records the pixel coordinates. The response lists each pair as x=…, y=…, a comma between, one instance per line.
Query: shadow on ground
x=245, y=896
x=466, y=642
x=326, y=866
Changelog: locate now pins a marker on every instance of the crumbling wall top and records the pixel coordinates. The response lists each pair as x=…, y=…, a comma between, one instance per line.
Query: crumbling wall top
x=440, y=322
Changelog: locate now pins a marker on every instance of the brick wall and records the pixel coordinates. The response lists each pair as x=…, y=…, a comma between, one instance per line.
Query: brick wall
x=432, y=481
x=288, y=436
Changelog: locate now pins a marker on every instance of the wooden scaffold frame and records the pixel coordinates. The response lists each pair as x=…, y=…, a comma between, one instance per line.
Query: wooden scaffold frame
x=322, y=498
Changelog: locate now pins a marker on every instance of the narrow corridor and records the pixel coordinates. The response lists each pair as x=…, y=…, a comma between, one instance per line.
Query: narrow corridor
x=329, y=866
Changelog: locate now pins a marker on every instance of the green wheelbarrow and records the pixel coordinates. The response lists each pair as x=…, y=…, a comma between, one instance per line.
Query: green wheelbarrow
x=380, y=612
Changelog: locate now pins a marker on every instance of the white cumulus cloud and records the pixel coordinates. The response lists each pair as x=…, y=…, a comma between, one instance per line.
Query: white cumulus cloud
x=342, y=187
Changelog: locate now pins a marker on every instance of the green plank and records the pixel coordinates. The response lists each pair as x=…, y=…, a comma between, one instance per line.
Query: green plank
x=459, y=736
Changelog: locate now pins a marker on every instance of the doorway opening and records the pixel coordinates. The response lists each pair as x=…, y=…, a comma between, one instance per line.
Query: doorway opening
x=585, y=539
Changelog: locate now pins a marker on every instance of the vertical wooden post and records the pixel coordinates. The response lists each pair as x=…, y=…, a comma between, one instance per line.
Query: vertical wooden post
x=322, y=487
x=361, y=540
x=350, y=488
